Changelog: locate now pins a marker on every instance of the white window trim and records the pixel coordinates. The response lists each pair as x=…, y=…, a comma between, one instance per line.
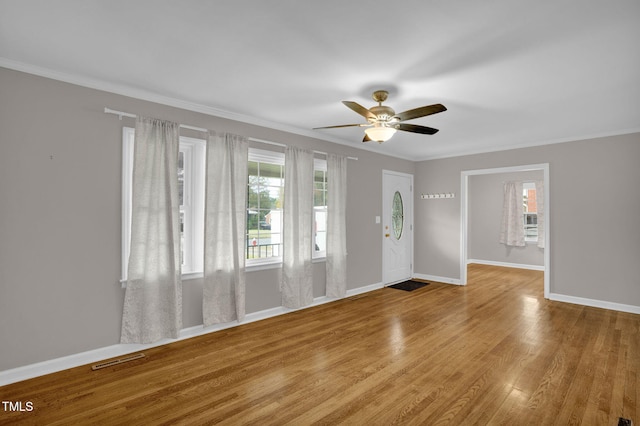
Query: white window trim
x=194, y=155
x=194, y=161
x=256, y=154
x=127, y=186
x=319, y=164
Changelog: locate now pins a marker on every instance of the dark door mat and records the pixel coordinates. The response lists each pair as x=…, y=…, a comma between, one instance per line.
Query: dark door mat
x=409, y=285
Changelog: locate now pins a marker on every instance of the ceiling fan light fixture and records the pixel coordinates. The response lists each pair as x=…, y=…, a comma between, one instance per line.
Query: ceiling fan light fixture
x=380, y=133
x=383, y=122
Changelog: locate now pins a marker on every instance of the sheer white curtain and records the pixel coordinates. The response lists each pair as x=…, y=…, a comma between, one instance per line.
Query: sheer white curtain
x=336, y=263
x=225, y=229
x=297, y=279
x=153, y=297
x=512, y=225
x=540, y=211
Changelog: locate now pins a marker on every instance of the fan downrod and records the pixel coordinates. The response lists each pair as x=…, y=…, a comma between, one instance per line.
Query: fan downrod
x=383, y=113
x=380, y=96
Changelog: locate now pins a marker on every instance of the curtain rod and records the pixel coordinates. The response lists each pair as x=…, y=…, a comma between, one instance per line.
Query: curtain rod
x=121, y=114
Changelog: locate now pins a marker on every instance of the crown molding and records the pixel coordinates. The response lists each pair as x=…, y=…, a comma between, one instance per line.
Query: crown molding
x=132, y=92
x=487, y=150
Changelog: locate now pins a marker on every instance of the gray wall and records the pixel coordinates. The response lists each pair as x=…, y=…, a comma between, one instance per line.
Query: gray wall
x=484, y=218
x=60, y=226
x=594, y=201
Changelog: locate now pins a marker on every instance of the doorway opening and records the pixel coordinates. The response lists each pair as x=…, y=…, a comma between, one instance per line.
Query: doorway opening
x=464, y=217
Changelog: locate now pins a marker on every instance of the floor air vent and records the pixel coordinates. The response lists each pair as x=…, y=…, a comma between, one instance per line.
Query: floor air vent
x=356, y=297
x=117, y=361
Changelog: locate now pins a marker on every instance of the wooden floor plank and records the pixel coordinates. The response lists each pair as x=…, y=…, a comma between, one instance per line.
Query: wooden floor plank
x=492, y=352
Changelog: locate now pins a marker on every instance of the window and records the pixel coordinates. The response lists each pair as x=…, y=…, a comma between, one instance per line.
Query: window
x=191, y=176
x=397, y=215
x=265, y=198
x=530, y=212
x=191, y=172
x=319, y=208
x=265, y=195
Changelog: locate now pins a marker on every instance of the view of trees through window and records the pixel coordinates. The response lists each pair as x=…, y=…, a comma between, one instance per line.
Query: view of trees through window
x=265, y=195
x=265, y=199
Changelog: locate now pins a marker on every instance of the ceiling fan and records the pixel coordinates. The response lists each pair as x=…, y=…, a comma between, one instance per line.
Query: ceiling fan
x=383, y=122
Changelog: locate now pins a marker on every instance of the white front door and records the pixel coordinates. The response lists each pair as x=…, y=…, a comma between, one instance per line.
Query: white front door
x=397, y=227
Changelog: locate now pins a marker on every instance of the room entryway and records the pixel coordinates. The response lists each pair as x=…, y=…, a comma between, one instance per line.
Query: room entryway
x=464, y=216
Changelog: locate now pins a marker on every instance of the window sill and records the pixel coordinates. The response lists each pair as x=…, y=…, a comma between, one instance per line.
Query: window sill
x=263, y=266
x=185, y=277
x=276, y=265
x=192, y=275
x=249, y=268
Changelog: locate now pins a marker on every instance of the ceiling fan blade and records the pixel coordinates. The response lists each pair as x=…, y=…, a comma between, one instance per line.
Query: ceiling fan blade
x=414, y=128
x=360, y=110
x=340, y=125
x=366, y=138
x=420, y=112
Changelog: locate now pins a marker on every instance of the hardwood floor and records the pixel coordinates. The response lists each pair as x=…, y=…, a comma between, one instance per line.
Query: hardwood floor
x=493, y=352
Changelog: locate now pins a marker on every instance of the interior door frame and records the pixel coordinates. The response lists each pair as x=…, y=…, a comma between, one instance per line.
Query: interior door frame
x=410, y=225
x=464, y=217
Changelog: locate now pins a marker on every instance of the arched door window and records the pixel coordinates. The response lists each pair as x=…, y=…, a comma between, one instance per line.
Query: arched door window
x=397, y=215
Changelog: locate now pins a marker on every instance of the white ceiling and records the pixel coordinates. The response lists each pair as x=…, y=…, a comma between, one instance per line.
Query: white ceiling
x=511, y=73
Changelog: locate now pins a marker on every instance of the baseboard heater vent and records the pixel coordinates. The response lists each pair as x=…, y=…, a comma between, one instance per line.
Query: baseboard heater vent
x=117, y=361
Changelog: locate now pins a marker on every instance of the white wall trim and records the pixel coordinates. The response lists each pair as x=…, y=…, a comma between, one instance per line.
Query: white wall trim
x=528, y=144
x=506, y=264
x=365, y=289
x=145, y=95
x=603, y=304
x=129, y=91
x=445, y=280
x=96, y=355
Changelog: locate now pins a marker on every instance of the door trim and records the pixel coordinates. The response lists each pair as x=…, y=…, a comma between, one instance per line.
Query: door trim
x=411, y=227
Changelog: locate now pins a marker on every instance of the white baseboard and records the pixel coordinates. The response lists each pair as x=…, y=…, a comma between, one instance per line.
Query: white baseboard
x=445, y=280
x=93, y=356
x=595, y=303
x=365, y=289
x=506, y=264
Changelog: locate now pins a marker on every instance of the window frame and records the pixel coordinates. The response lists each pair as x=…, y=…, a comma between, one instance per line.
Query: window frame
x=319, y=165
x=194, y=155
x=194, y=151
x=128, y=134
x=194, y=158
x=272, y=157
